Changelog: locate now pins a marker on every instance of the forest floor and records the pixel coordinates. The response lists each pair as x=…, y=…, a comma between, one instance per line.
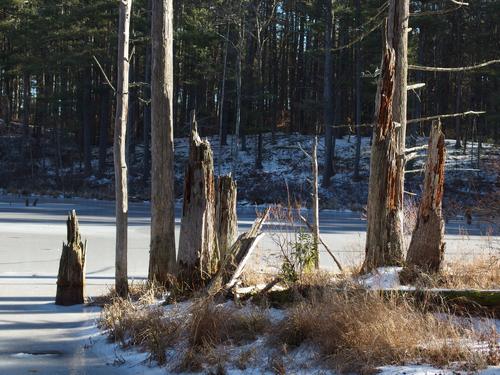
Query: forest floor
x=38, y=336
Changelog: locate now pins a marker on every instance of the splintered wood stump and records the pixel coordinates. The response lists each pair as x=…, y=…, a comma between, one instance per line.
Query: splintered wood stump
x=384, y=229
x=236, y=258
x=426, y=249
x=226, y=218
x=198, y=254
x=71, y=277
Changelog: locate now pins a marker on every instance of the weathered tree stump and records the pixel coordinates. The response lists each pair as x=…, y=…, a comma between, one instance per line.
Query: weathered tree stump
x=426, y=249
x=198, y=256
x=226, y=219
x=71, y=277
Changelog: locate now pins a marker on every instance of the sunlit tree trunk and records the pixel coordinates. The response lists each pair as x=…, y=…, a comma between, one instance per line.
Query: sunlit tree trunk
x=121, y=281
x=162, y=261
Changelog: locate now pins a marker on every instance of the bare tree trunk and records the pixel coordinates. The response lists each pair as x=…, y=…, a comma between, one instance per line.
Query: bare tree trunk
x=71, y=277
x=384, y=240
x=198, y=255
x=357, y=79
x=315, y=201
x=222, y=141
x=121, y=279
x=426, y=249
x=382, y=211
x=162, y=261
x=146, y=167
x=225, y=210
x=328, y=114
x=398, y=38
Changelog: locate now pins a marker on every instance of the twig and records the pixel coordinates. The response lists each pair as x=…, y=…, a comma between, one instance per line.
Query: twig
x=304, y=151
x=322, y=242
x=458, y=69
x=104, y=74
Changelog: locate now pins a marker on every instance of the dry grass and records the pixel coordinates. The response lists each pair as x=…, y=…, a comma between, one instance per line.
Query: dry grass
x=147, y=327
x=358, y=332
x=481, y=273
x=143, y=291
x=211, y=324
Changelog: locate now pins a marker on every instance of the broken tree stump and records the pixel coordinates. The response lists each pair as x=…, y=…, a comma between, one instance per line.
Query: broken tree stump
x=426, y=249
x=198, y=256
x=384, y=225
x=233, y=264
x=71, y=277
x=226, y=219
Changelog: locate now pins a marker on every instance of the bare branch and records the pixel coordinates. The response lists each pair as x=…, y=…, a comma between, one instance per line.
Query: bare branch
x=458, y=69
x=104, y=74
x=451, y=115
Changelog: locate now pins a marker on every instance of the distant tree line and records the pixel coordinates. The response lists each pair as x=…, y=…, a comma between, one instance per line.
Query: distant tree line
x=56, y=58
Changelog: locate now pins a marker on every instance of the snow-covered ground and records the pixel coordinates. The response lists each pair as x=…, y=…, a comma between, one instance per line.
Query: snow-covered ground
x=37, y=336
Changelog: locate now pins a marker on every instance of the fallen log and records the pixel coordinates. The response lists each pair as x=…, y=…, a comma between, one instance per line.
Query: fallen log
x=233, y=264
x=71, y=277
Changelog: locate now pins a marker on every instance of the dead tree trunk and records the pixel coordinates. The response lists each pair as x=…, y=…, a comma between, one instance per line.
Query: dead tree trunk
x=71, y=277
x=315, y=202
x=198, y=254
x=426, y=249
x=383, y=198
x=226, y=218
x=120, y=162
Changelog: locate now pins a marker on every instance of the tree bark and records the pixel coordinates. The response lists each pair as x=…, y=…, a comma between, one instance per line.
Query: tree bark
x=382, y=211
x=426, y=249
x=71, y=276
x=357, y=79
x=384, y=240
x=162, y=261
x=147, y=107
x=226, y=217
x=198, y=254
x=315, y=203
x=120, y=136
x=328, y=114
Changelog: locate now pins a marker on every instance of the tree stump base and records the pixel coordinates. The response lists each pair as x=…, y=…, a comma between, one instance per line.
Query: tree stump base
x=71, y=277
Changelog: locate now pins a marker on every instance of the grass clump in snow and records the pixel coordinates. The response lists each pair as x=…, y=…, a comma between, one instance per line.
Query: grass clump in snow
x=480, y=273
x=139, y=324
x=359, y=331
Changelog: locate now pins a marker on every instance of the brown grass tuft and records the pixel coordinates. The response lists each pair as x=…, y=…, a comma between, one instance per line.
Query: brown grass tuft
x=140, y=325
x=481, y=273
x=358, y=331
x=211, y=324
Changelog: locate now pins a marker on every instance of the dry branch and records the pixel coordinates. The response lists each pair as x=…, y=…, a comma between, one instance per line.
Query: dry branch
x=232, y=265
x=457, y=69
